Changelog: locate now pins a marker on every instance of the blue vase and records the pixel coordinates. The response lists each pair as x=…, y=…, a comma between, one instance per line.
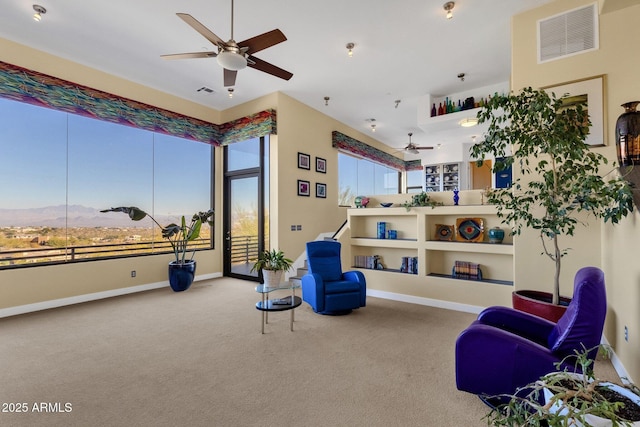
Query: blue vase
x=382, y=230
x=496, y=235
x=181, y=275
x=456, y=197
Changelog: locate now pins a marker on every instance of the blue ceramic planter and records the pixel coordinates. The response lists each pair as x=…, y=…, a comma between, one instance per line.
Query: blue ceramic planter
x=181, y=275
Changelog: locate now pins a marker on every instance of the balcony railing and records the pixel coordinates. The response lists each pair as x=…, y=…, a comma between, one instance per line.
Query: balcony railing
x=244, y=249
x=52, y=255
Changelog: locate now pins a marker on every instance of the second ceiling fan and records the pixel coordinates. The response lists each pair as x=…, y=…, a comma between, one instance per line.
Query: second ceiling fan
x=234, y=56
x=413, y=148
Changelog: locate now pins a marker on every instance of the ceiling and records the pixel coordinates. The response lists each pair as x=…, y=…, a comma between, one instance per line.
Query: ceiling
x=401, y=52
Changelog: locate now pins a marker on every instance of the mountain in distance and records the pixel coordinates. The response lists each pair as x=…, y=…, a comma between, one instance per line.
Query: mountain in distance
x=78, y=216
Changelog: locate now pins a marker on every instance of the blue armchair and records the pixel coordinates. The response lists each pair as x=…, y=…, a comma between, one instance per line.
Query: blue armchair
x=505, y=349
x=326, y=288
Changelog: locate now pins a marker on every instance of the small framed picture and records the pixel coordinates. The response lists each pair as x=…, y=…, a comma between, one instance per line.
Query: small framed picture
x=304, y=161
x=303, y=188
x=321, y=190
x=321, y=165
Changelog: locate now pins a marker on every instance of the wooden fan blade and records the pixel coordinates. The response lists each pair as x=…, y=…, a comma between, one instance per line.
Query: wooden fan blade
x=230, y=77
x=190, y=55
x=423, y=148
x=266, y=67
x=196, y=25
x=263, y=41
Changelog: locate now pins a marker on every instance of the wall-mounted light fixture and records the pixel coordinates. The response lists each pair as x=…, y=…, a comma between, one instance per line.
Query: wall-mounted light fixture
x=448, y=6
x=39, y=12
x=350, y=47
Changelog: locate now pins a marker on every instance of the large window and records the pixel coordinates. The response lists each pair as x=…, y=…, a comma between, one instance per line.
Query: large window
x=360, y=177
x=58, y=170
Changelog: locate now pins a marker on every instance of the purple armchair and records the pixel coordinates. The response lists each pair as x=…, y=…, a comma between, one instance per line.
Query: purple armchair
x=326, y=288
x=505, y=348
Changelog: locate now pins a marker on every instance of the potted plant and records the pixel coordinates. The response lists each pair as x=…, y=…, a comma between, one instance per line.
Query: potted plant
x=560, y=176
x=566, y=398
x=182, y=270
x=420, y=199
x=272, y=263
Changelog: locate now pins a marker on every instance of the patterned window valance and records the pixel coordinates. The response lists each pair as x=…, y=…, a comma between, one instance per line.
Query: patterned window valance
x=346, y=143
x=29, y=86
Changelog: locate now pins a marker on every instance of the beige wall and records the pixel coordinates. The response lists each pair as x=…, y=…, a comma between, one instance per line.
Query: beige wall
x=617, y=246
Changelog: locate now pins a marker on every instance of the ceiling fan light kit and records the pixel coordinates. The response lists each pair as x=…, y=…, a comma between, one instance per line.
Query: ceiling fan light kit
x=231, y=60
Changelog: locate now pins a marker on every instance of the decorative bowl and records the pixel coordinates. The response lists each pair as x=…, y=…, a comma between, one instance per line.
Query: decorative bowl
x=386, y=205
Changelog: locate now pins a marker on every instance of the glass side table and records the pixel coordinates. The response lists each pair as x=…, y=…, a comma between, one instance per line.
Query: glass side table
x=277, y=304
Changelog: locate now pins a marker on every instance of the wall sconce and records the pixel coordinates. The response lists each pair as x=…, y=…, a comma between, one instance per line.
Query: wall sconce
x=350, y=47
x=39, y=12
x=448, y=6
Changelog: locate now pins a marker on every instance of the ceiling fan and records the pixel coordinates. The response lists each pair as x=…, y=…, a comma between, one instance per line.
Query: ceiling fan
x=413, y=148
x=234, y=56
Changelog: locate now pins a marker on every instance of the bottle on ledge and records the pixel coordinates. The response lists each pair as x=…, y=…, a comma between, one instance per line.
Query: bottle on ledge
x=433, y=110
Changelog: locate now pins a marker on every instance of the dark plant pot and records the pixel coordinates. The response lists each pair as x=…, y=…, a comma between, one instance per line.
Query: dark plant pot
x=539, y=304
x=181, y=275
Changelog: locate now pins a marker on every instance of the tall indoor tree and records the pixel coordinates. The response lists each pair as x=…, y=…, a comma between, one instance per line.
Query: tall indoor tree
x=559, y=175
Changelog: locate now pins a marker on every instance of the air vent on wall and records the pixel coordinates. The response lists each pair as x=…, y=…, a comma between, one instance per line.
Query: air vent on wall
x=568, y=33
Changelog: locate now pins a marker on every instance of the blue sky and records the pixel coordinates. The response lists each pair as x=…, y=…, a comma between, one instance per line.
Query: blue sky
x=51, y=158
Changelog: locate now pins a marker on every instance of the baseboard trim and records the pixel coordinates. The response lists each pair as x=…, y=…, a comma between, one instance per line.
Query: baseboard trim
x=466, y=308
x=78, y=299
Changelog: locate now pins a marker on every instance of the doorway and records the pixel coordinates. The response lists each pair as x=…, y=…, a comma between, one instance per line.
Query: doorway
x=245, y=190
x=480, y=175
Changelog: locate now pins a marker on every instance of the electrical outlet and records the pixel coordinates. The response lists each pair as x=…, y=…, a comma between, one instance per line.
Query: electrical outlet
x=626, y=334
x=133, y=273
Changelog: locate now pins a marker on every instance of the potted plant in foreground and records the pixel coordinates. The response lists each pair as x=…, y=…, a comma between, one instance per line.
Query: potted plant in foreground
x=560, y=176
x=272, y=263
x=567, y=398
x=182, y=270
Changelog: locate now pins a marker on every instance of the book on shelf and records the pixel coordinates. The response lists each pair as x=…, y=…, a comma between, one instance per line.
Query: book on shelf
x=467, y=270
x=409, y=265
x=366, y=261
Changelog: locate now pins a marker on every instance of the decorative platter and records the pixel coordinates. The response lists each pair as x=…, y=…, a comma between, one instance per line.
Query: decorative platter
x=444, y=232
x=470, y=229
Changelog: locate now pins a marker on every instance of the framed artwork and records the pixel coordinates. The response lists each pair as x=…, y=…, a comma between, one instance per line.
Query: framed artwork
x=321, y=165
x=321, y=190
x=591, y=92
x=304, y=161
x=303, y=188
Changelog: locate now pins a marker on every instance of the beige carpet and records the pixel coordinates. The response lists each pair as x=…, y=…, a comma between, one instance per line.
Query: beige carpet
x=198, y=358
